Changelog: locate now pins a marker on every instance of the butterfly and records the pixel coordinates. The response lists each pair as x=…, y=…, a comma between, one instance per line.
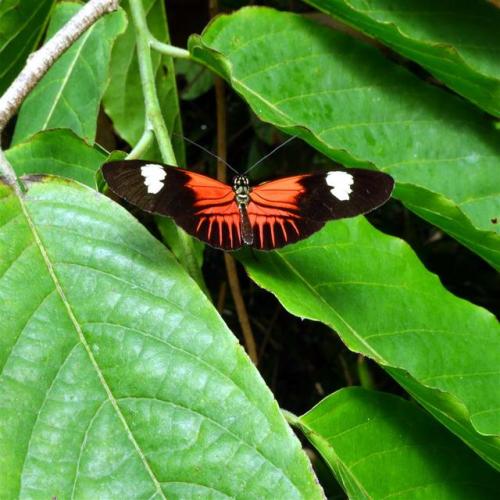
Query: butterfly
x=266, y=216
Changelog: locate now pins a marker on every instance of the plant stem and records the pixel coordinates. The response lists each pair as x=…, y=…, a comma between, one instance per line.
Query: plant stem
x=290, y=417
x=142, y=145
x=155, y=121
x=167, y=49
x=241, y=310
x=147, y=73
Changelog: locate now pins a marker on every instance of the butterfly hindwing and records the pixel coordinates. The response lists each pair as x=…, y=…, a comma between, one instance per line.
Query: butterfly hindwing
x=202, y=206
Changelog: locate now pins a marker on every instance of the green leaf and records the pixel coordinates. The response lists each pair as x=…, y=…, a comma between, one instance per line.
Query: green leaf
x=58, y=152
x=118, y=376
x=124, y=101
x=457, y=41
x=198, y=79
x=379, y=445
x=69, y=95
x=360, y=109
x=373, y=290
x=21, y=24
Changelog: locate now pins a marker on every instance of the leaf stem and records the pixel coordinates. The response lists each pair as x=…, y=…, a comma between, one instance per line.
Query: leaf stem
x=167, y=49
x=142, y=145
x=290, y=417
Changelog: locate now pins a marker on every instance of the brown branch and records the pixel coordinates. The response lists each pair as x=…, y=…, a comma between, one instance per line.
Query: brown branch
x=241, y=310
x=232, y=272
x=39, y=62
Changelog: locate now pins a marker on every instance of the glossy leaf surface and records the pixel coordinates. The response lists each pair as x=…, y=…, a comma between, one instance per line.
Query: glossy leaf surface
x=373, y=290
x=360, y=109
x=57, y=152
x=118, y=377
x=69, y=95
x=379, y=445
x=21, y=25
x=456, y=40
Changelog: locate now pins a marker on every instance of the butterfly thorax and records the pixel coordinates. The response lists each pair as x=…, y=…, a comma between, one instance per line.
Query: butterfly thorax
x=241, y=188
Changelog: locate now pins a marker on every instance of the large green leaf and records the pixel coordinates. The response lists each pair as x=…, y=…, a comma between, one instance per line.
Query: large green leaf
x=379, y=445
x=58, y=152
x=21, y=25
x=456, y=40
x=69, y=95
x=360, y=109
x=373, y=290
x=118, y=376
x=124, y=101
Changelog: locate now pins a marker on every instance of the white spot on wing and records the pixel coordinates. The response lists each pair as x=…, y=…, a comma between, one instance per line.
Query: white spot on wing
x=340, y=182
x=153, y=177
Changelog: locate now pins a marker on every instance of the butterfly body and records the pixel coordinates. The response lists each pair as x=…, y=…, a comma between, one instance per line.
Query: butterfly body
x=241, y=188
x=267, y=216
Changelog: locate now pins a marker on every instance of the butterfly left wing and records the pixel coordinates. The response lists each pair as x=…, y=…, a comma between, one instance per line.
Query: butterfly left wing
x=292, y=208
x=202, y=206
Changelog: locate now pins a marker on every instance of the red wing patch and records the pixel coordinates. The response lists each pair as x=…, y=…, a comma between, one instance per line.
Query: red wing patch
x=214, y=217
x=282, y=193
x=275, y=227
x=218, y=225
x=275, y=215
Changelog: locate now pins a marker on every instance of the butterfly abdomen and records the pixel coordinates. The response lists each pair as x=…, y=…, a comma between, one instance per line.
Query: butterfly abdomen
x=246, y=227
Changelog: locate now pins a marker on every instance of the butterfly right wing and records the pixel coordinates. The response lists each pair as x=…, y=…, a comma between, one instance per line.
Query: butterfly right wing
x=289, y=209
x=202, y=206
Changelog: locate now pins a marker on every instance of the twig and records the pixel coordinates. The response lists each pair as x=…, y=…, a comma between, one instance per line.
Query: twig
x=232, y=273
x=167, y=49
x=220, y=100
x=241, y=310
x=39, y=62
x=221, y=297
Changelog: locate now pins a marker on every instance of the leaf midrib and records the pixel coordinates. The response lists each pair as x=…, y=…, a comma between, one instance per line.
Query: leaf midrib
x=60, y=291
x=326, y=445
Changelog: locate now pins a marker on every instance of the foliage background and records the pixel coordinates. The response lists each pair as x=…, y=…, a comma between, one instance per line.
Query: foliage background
x=398, y=328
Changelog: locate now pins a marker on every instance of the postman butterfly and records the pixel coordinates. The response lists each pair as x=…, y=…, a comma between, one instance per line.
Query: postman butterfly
x=266, y=216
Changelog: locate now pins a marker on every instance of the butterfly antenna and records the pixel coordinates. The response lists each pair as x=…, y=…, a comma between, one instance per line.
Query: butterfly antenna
x=206, y=151
x=270, y=153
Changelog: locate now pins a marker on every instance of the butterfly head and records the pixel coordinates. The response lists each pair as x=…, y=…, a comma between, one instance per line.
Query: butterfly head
x=241, y=188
